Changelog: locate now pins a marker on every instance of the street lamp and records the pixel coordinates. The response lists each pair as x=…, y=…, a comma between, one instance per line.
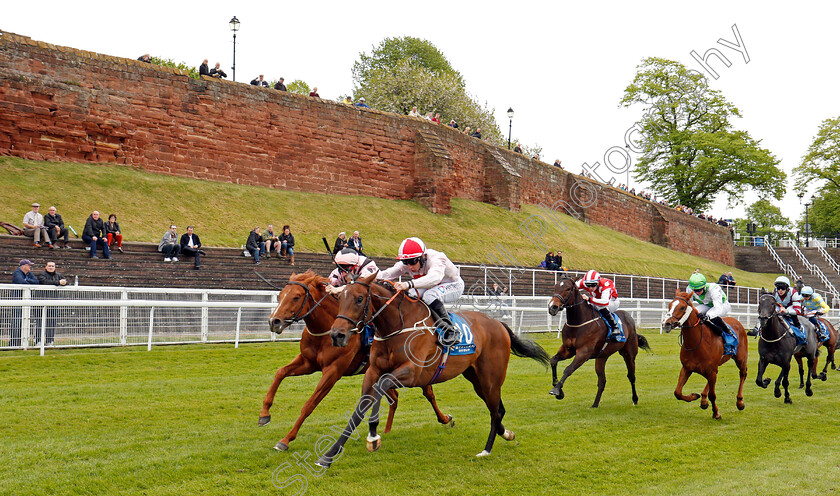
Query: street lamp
x=510, y=127
x=234, y=26
x=807, y=226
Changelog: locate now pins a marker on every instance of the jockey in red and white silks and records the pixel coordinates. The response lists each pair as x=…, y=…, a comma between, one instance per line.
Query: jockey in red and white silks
x=433, y=276
x=601, y=292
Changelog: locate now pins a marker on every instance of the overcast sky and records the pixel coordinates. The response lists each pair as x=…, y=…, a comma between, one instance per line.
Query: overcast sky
x=561, y=66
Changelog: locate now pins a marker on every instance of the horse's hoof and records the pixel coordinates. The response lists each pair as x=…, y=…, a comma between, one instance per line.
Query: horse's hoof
x=740, y=404
x=264, y=421
x=557, y=393
x=788, y=401
x=716, y=416
x=801, y=385
x=809, y=392
x=451, y=422
x=766, y=382
x=704, y=405
x=483, y=453
x=281, y=446
x=823, y=376
x=594, y=405
x=374, y=443
x=323, y=462
x=777, y=393
x=508, y=435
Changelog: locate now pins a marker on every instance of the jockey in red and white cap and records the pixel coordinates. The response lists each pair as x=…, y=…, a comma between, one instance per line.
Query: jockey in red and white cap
x=350, y=264
x=433, y=276
x=602, y=294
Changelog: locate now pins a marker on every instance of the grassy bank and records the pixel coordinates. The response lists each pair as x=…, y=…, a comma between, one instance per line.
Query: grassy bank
x=223, y=214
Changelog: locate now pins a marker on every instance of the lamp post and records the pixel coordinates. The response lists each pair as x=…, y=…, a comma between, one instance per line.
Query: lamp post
x=807, y=226
x=234, y=26
x=510, y=126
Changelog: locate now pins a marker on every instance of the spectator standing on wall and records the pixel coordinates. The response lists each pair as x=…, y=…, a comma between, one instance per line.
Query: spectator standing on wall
x=314, y=92
x=340, y=243
x=191, y=246
x=361, y=103
x=517, y=148
x=145, y=58
x=279, y=85
x=169, y=245
x=477, y=133
x=558, y=164
x=55, y=227
x=414, y=112
x=94, y=234
x=287, y=249
x=217, y=72
x=33, y=225
x=254, y=245
x=436, y=119
x=259, y=81
x=113, y=233
x=204, y=69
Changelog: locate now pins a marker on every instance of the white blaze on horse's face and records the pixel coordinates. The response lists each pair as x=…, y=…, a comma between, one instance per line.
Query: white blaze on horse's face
x=687, y=312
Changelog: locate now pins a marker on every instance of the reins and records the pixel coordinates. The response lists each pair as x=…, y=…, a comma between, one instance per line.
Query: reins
x=761, y=334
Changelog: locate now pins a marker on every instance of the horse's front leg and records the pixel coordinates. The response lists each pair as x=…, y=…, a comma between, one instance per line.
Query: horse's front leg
x=298, y=366
x=386, y=383
x=710, y=386
x=580, y=358
x=678, y=392
x=811, y=372
x=443, y=419
x=330, y=375
x=562, y=354
x=801, y=371
x=759, y=378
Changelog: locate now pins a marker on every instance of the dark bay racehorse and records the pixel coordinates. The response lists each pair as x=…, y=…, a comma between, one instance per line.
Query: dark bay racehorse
x=585, y=337
x=304, y=297
x=776, y=345
x=406, y=354
x=829, y=344
x=702, y=351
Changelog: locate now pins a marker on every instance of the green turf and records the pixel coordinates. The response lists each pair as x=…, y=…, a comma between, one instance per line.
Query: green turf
x=223, y=214
x=182, y=420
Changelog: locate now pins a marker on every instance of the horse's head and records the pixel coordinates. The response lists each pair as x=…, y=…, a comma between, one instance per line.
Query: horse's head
x=679, y=310
x=766, y=306
x=564, y=295
x=354, y=310
x=296, y=300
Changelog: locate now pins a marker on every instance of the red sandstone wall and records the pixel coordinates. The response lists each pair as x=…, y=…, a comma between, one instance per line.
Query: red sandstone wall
x=59, y=103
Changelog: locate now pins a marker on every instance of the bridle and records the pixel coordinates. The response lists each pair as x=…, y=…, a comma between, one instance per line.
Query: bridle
x=689, y=308
x=364, y=320
x=766, y=322
x=297, y=317
x=563, y=303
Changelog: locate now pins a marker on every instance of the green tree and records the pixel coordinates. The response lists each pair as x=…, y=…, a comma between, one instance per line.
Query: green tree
x=401, y=73
x=193, y=71
x=298, y=86
x=690, y=151
x=824, y=215
x=768, y=219
x=820, y=170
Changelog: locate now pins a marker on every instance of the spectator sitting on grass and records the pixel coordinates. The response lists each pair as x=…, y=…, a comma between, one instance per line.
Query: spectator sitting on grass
x=169, y=245
x=254, y=245
x=731, y=278
x=558, y=259
x=191, y=246
x=113, y=233
x=356, y=243
x=94, y=234
x=340, y=243
x=287, y=240
x=550, y=264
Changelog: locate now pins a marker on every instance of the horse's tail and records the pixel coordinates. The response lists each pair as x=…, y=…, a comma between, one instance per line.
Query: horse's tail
x=526, y=348
x=643, y=342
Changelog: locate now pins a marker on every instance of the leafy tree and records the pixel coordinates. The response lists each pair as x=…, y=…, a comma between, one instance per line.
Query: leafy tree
x=193, y=71
x=690, y=151
x=401, y=73
x=824, y=214
x=821, y=164
x=298, y=86
x=768, y=219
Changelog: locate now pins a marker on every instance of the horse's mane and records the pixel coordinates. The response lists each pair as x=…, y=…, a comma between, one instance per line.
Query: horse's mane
x=309, y=277
x=683, y=295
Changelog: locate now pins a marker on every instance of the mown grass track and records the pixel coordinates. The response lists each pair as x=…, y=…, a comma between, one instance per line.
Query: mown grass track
x=182, y=420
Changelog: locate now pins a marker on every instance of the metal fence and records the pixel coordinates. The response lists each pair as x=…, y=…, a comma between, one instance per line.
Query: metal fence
x=32, y=317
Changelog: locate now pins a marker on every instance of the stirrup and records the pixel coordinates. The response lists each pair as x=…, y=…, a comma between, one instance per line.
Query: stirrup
x=454, y=337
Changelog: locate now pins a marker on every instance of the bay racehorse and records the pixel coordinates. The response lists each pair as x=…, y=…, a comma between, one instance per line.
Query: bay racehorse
x=585, y=337
x=830, y=344
x=777, y=344
x=405, y=353
x=305, y=298
x=702, y=351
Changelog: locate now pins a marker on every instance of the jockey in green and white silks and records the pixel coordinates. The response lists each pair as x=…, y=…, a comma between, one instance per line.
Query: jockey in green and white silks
x=710, y=302
x=814, y=306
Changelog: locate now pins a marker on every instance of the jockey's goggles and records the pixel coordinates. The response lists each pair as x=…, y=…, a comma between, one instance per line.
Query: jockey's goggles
x=411, y=261
x=345, y=267
x=781, y=285
x=591, y=284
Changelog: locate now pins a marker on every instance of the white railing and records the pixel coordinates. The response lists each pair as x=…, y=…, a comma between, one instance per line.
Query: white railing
x=786, y=268
x=825, y=242
x=815, y=270
x=801, y=256
x=829, y=259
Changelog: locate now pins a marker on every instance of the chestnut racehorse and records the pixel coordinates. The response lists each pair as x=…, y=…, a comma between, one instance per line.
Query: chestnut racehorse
x=830, y=344
x=585, y=337
x=702, y=351
x=305, y=297
x=405, y=354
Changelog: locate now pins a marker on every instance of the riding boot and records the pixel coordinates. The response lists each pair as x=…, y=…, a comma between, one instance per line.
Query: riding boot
x=714, y=325
x=718, y=321
x=450, y=335
x=754, y=330
x=610, y=321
